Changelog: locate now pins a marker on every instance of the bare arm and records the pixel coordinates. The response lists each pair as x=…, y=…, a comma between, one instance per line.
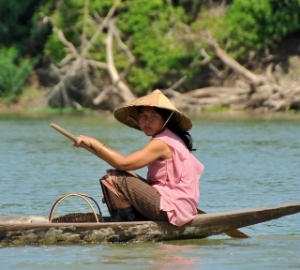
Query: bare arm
x=155, y=149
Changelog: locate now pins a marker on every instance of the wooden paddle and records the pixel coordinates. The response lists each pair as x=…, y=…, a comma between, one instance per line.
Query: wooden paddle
x=72, y=137
x=232, y=233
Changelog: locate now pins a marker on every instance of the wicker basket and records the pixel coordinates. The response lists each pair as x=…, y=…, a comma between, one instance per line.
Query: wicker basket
x=76, y=217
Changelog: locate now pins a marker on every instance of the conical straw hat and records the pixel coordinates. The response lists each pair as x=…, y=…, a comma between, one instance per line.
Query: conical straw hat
x=128, y=114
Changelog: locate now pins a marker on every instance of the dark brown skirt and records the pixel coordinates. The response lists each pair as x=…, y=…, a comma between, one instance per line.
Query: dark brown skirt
x=134, y=190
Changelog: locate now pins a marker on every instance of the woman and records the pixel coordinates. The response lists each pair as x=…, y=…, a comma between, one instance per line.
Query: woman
x=171, y=191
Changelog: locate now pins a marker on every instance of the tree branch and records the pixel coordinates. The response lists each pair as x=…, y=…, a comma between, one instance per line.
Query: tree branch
x=100, y=27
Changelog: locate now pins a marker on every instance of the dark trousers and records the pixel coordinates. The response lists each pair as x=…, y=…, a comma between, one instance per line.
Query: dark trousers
x=143, y=197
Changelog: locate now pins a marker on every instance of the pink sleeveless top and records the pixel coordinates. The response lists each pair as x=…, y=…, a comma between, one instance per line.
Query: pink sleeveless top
x=177, y=180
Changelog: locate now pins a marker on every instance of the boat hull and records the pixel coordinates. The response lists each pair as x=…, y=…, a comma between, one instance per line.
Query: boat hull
x=37, y=230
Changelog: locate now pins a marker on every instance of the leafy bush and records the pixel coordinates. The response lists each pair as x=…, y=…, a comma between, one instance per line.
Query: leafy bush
x=21, y=26
x=158, y=52
x=150, y=30
x=251, y=25
x=147, y=28
x=14, y=71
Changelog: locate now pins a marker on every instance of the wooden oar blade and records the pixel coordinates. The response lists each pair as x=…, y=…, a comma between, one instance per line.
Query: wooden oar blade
x=232, y=233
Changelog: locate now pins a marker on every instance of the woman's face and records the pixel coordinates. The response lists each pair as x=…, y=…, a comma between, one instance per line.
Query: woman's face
x=151, y=122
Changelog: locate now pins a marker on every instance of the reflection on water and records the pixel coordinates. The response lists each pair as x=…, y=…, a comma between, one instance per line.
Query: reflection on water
x=177, y=257
x=263, y=252
x=248, y=163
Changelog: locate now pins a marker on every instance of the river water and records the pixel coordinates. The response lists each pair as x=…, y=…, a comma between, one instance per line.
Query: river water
x=249, y=162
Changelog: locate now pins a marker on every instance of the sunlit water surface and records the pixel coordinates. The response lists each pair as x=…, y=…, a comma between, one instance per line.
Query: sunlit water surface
x=248, y=163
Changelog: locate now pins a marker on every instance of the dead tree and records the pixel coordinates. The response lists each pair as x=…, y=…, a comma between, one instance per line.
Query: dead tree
x=76, y=71
x=262, y=92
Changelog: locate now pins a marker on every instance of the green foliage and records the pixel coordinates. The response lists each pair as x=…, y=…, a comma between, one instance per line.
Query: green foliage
x=147, y=28
x=209, y=19
x=158, y=53
x=54, y=48
x=251, y=25
x=150, y=29
x=11, y=19
x=48, y=111
x=20, y=26
x=69, y=17
x=14, y=71
x=212, y=20
x=217, y=108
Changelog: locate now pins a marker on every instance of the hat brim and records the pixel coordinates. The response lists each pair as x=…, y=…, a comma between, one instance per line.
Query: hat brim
x=128, y=114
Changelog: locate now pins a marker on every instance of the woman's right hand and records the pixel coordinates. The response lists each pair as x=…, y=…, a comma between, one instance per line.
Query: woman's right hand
x=87, y=141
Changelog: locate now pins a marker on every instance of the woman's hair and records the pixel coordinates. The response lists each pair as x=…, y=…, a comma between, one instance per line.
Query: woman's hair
x=172, y=125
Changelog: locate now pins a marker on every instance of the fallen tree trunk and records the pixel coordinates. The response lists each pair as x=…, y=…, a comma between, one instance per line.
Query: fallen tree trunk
x=76, y=72
x=258, y=92
x=200, y=100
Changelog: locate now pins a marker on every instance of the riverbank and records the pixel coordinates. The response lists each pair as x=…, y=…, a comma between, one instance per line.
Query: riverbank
x=29, y=103
x=32, y=104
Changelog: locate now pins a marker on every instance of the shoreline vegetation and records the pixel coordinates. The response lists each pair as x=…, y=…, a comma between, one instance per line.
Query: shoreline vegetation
x=92, y=56
x=32, y=104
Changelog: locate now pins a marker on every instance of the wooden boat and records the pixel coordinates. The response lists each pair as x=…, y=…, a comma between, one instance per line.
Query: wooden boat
x=24, y=230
